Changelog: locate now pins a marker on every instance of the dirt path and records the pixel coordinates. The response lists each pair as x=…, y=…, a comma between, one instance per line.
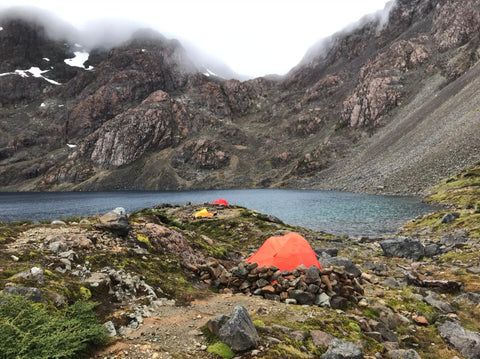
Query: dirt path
x=174, y=332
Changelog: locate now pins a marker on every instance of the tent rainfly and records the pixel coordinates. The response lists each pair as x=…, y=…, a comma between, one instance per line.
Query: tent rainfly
x=203, y=213
x=285, y=252
x=221, y=201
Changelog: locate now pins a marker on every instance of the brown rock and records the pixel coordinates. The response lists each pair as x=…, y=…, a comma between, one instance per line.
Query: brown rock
x=320, y=339
x=420, y=320
x=268, y=289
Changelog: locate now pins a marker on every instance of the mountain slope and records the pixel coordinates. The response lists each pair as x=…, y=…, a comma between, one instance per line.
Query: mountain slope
x=386, y=106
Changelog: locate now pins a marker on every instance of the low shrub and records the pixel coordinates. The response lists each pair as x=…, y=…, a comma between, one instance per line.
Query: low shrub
x=29, y=330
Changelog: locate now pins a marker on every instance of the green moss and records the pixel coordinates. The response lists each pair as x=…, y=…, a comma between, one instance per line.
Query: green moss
x=405, y=299
x=85, y=293
x=355, y=327
x=371, y=313
x=144, y=240
x=324, y=319
x=465, y=257
x=287, y=351
x=259, y=323
x=221, y=349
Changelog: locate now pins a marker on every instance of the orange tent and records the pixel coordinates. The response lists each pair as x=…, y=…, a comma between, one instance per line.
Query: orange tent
x=221, y=201
x=285, y=252
x=203, y=213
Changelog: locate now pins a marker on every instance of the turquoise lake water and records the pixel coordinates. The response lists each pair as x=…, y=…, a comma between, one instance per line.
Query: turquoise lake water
x=330, y=211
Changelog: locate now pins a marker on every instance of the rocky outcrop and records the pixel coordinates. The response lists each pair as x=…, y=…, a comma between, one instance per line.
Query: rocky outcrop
x=201, y=154
x=455, y=26
x=157, y=123
x=379, y=88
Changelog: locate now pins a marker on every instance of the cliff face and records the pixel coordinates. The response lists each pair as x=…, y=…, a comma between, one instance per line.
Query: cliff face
x=144, y=117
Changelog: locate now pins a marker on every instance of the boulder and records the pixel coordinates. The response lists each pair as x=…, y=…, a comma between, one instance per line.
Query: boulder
x=34, y=274
x=322, y=300
x=320, y=338
x=474, y=298
x=110, y=329
x=301, y=296
x=30, y=293
x=450, y=217
x=216, y=323
x=239, y=332
x=347, y=264
x=341, y=349
x=58, y=222
x=432, y=299
x=115, y=221
x=431, y=249
x=338, y=302
x=465, y=341
x=410, y=248
x=98, y=279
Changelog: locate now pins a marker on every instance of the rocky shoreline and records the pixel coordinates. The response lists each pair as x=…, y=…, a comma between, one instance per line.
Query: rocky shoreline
x=409, y=296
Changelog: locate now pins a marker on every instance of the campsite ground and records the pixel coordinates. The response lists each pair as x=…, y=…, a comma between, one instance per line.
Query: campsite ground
x=165, y=243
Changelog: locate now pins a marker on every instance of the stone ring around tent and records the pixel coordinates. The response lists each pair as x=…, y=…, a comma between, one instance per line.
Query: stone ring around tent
x=285, y=252
x=203, y=213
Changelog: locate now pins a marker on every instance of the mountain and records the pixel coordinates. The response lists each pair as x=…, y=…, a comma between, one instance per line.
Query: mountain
x=389, y=105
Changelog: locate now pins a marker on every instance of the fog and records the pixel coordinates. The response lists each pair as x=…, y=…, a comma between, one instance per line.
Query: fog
x=240, y=39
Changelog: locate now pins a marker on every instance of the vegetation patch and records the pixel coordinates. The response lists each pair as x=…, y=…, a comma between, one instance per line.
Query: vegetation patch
x=221, y=349
x=462, y=193
x=28, y=330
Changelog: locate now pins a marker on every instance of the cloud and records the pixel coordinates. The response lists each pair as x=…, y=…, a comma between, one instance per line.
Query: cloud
x=55, y=27
x=379, y=19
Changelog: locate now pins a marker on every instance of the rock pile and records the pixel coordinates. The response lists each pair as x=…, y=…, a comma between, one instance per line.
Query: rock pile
x=330, y=287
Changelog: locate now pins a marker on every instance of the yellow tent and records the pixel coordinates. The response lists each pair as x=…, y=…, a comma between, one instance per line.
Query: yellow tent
x=203, y=213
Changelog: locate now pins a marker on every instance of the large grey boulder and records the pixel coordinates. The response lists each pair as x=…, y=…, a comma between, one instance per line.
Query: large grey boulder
x=465, y=341
x=341, y=349
x=115, y=221
x=239, y=332
x=402, y=247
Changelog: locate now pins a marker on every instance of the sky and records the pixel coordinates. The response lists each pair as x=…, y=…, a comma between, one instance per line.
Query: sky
x=253, y=37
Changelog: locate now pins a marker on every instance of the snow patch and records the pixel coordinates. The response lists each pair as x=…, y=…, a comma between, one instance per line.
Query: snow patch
x=42, y=104
x=209, y=73
x=32, y=71
x=71, y=145
x=1, y=28
x=78, y=45
x=46, y=59
x=78, y=60
x=143, y=50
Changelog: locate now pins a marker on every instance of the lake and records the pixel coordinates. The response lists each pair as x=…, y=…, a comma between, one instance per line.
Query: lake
x=335, y=212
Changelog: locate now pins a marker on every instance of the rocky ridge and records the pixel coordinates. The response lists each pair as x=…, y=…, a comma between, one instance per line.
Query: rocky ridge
x=143, y=116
